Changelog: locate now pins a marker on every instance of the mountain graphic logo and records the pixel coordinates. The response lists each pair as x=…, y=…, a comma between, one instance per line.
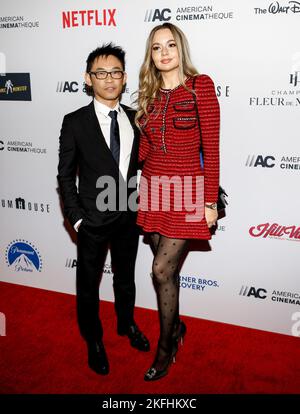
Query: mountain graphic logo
x=23, y=256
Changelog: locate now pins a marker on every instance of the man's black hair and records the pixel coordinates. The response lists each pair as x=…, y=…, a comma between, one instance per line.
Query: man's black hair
x=105, y=50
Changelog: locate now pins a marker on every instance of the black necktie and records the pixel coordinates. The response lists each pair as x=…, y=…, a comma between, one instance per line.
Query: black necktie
x=114, y=136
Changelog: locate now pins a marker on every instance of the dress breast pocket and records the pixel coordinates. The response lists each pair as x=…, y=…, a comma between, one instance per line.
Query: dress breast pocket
x=184, y=106
x=184, y=122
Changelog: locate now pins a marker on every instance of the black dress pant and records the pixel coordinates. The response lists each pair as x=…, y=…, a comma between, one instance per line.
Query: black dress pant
x=122, y=236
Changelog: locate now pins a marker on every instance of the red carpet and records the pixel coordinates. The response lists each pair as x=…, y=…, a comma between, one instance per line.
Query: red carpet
x=42, y=353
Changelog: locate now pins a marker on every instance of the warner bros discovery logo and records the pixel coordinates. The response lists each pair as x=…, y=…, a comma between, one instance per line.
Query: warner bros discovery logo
x=23, y=256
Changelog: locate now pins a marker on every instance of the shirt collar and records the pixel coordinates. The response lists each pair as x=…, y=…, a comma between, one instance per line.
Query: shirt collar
x=104, y=109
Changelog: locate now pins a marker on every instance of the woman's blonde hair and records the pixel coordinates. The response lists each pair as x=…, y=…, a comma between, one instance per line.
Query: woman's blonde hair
x=150, y=79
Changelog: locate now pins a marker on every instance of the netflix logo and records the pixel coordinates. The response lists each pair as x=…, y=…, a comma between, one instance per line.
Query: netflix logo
x=76, y=18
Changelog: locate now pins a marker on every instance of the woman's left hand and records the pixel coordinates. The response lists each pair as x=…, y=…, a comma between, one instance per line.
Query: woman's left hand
x=211, y=216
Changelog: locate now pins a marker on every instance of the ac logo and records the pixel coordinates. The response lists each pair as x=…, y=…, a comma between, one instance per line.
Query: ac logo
x=67, y=87
x=155, y=14
x=1, y=145
x=260, y=160
x=71, y=263
x=252, y=291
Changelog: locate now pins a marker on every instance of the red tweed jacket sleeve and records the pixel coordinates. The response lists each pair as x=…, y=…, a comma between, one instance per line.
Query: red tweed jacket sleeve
x=209, y=112
x=144, y=147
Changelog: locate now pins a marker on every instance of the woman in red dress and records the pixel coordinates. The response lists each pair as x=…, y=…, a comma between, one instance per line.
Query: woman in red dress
x=177, y=197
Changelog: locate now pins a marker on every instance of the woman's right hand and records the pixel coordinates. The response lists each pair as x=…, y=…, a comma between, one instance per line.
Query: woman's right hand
x=211, y=216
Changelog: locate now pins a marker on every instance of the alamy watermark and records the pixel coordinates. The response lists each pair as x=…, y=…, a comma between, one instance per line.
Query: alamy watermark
x=159, y=193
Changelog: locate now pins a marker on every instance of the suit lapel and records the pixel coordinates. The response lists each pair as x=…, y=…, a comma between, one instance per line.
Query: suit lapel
x=134, y=151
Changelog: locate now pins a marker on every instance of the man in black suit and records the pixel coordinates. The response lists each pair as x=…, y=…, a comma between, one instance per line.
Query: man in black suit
x=100, y=142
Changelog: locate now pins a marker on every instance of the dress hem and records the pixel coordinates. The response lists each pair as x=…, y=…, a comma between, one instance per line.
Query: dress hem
x=166, y=234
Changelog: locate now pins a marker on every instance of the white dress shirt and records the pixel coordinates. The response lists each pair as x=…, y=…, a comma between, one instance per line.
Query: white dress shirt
x=126, y=135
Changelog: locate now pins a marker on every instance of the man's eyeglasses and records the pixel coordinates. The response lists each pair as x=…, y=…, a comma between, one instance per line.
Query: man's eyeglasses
x=102, y=74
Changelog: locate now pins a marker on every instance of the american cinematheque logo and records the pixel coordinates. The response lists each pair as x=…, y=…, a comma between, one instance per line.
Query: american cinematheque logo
x=187, y=13
x=21, y=146
x=286, y=162
x=15, y=87
x=17, y=22
x=279, y=296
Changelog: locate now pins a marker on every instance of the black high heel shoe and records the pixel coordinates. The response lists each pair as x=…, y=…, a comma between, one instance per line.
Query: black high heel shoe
x=154, y=374
x=177, y=337
x=179, y=332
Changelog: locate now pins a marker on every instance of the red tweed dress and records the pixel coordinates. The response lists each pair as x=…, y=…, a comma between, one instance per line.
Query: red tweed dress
x=170, y=147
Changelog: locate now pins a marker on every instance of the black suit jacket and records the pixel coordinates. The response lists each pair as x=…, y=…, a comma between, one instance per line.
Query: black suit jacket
x=83, y=150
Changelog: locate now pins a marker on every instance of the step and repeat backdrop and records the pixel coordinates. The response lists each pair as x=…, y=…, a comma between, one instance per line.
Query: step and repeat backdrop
x=248, y=274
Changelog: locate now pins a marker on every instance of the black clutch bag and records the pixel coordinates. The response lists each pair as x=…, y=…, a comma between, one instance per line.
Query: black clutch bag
x=222, y=202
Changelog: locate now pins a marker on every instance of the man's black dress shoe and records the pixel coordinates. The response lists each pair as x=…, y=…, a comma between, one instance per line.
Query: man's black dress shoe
x=97, y=358
x=136, y=337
